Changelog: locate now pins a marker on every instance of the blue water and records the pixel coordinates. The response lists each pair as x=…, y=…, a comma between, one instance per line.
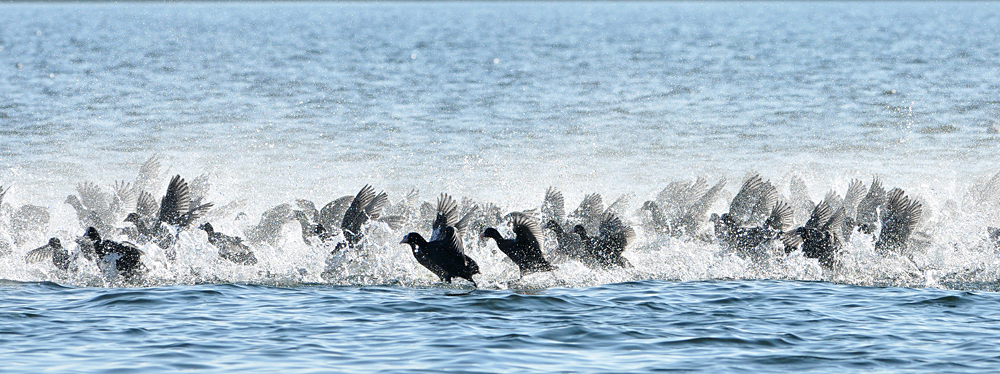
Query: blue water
x=761, y=326
x=494, y=102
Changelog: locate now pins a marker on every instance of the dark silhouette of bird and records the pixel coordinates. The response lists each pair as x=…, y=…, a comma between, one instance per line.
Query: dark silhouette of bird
x=366, y=205
x=867, y=213
x=311, y=231
x=899, y=216
x=523, y=248
x=52, y=252
x=347, y=213
x=92, y=207
x=820, y=236
x=569, y=244
x=681, y=208
x=852, y=199
x=230, y=247
x=444, y=255
x=153, y=222
x=125, y=256
x=605, y=250
x=755, y=217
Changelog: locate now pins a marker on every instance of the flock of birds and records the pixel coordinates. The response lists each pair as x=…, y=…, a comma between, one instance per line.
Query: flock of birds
x=758, y=224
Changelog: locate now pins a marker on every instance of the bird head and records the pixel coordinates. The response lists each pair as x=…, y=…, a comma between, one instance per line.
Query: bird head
x=92, y=234
x=491, y=233
x=413, y=239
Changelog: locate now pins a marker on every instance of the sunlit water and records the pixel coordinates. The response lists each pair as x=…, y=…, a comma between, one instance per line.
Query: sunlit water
x=495, y=102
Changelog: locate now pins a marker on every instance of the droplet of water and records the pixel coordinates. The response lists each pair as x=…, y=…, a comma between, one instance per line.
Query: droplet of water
x=38, y=32
x=52, y=75
x=413, y=56
x=496, y=61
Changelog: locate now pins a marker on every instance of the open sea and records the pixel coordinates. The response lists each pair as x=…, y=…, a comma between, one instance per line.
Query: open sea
x=260, y=104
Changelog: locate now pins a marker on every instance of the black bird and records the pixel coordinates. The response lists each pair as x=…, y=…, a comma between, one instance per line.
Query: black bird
x=605, y=249
x=820, y=236
x=569, y=243
x=175, y=206
x=312, y=230
x=899, y=217
x=366, y=205
x=523, y=249
x=349, y=213
x=175, y=209
x=680, y=209
x=755, y=217
x=53, y=251
x=230, y=247
x=444, y=255
x=852, y=201
x=867, y=217
x=126, y=256
x=321, y=223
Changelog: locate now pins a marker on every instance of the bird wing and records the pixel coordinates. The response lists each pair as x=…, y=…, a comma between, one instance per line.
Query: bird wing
x=620, y=205
x=836, y=221
x=798, y=189
x=146, y=206
x=899, y=217
x=355, y=214
x=124, y=196
x=413, y=196
x=332, y=214
x=148, y=172
x=175, y=201
x=765, y=206
x=192, y=215
x=672, y=197
x=698, y=210
x=868, y=206
x=855, y=191
x=781, y=217
x=394, y=222
x=463, y=223
x=820, y=215
x=695, y=192
x=526, y=229
x=40, y=254
x=199, y=187
x=451, y=242
x=92, y=197
x=374, y=208
x=615, y=232
x=591, y=206
x=454, y=259
x=755, y=200
x=447, y=213
x=554, y=206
